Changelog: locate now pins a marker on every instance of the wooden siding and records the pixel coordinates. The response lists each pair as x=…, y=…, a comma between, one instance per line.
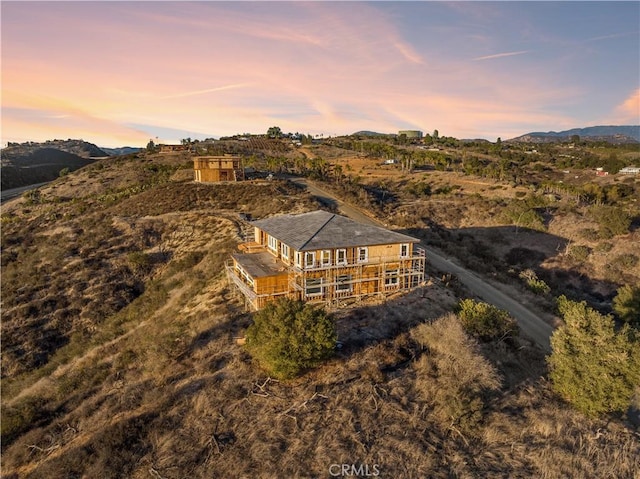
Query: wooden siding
x=384, y=271
x=218, y=168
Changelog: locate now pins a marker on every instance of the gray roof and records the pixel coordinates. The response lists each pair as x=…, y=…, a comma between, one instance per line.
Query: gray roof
x=323, y=230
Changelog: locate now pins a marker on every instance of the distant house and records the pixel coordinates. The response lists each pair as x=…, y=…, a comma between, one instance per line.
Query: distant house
x=323, y=257
x=218, y=168
x=601, y=172
x=630, y=170
x=173, y=148
x=391, y=162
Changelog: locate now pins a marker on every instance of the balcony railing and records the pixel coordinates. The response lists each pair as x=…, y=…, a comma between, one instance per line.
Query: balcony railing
x=416, y=259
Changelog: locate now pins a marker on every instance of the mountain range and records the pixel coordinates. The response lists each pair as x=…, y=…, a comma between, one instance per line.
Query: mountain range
x=612, y=134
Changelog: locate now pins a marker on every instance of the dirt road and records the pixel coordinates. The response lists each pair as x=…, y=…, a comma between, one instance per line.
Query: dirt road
x=530, y=323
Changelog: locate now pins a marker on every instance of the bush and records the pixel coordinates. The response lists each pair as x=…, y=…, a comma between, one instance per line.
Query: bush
x=523, y=216
x=535, y=284
x=611, y=220
x=604, y=247
x=593, y=366
x=288, y=336
x=625, y=261
x=486, y=322
x=589, y=234
x=626, y=304
x=21, y=417
x=579, y=252
x=454, y=378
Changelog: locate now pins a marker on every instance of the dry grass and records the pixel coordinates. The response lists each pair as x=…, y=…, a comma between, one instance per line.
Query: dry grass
x=202, y=409
x=159, y=387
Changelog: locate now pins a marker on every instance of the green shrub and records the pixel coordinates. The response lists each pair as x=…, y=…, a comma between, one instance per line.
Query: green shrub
x=21, y=417
x=625, y=261
x=140, y=262
x=579, y=252
x=535, y=284
x=588, y=234
x=288, y=336
x=604, y=247
x=626, y=304
x=612, y=220
x=593, y=366
x=486, y=322
x=522, y=214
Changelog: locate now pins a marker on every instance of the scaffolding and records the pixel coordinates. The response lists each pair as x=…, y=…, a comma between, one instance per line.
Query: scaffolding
x=335, y=283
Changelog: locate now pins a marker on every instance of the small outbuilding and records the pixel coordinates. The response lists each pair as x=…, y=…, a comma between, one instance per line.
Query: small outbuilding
x=218, y=168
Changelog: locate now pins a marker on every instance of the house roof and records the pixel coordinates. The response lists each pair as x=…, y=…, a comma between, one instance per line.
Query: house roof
x=323, y=230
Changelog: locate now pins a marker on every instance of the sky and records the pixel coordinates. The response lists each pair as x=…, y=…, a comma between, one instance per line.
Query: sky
x=122, y=73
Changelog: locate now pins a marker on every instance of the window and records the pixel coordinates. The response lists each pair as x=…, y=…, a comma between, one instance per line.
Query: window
x=362, y=255
x=343, y=282
x=314, y=287
x=309, y=260
x=285, y=251
x=404, y=250
x=273, y=243
x=391, y=278
x=298, y=259
x=325, y=257
x=341, y=256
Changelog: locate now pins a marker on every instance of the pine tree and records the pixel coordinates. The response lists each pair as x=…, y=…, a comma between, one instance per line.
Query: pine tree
x=626, y=304
x=288, y=336
x=593, y=366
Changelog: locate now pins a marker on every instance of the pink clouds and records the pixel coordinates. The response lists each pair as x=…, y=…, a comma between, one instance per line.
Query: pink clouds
x=629, y=110
x=222, y=68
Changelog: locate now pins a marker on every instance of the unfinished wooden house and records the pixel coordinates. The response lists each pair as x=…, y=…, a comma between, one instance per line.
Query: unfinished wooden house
x=173, y=148
x=323, y=257
x=218, y=168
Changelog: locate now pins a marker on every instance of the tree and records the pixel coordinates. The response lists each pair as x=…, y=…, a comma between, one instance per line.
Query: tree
x=612, y=220
x=289, y=336
x=151, y=146
x=274, y=132
x=626, y=304
x=435, y=134
x=486, y=322
x=593, y=366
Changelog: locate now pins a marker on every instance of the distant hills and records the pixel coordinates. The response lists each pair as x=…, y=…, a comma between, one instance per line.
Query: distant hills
x=612, y=134
x=368, y=133
x=29, y=163
x=125, y=150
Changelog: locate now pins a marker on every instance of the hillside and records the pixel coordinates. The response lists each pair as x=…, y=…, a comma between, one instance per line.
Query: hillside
x=29, y=163
x=612, y=134
x=124, y=150
x=119, y=354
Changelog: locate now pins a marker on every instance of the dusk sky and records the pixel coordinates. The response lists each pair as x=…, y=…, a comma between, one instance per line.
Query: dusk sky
x=122, y=73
